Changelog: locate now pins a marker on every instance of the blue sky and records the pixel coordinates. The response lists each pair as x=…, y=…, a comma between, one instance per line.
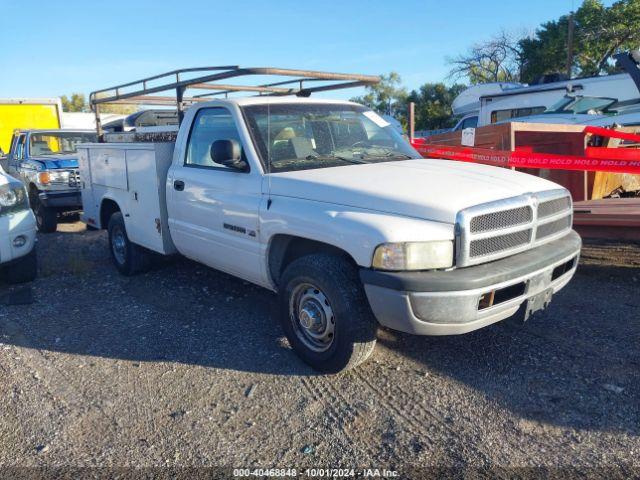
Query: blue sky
x=53, y=48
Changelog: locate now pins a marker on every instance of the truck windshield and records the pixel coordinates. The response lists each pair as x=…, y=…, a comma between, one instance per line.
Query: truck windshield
x=53, y=143
x=574, y=105
x=307, y=136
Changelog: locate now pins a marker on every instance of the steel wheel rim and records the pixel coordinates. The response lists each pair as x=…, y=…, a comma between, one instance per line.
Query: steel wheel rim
x=119, y=245
x=312, y=317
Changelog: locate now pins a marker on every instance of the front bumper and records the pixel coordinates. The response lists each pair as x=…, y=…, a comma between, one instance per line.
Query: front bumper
x=71, y=199
x=12, y=226
x=449, y=302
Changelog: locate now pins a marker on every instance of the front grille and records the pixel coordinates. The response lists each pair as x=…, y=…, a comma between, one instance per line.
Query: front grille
x=550, y=228
x=551, y=207
x=503, y=219
x=493, y=245
x=74, y=179
x=505, y=227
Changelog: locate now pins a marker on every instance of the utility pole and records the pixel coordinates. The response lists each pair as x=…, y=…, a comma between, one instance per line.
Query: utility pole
x=570, y=46
x=412, y=121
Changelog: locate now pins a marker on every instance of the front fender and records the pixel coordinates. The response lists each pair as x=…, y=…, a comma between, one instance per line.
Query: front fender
x=356, y=231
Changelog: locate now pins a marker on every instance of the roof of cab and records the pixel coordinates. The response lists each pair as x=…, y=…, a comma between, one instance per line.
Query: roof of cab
x=263, y=100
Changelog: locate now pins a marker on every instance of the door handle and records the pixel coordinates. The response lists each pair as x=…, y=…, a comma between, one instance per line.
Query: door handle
x=178, y=185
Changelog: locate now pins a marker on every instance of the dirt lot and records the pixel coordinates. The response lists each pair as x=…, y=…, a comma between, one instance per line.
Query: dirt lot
x=185, y=366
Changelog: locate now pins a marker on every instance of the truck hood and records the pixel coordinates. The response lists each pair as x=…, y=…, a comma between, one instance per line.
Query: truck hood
x=53, y=162
x=428, y=189
x=6, y=179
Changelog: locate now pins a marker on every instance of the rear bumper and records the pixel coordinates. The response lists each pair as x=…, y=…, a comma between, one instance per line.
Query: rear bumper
x=448, y=303
x=70, y=199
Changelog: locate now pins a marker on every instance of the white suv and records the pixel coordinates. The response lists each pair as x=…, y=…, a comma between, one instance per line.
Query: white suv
x=17, y=232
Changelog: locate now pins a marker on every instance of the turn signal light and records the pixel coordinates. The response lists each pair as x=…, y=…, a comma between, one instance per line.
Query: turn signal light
x=44, y=178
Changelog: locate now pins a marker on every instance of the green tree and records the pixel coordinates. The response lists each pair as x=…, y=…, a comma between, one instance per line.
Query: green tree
x=599, y=33
x=77, y=103
x=387, y=97
x=433, y=105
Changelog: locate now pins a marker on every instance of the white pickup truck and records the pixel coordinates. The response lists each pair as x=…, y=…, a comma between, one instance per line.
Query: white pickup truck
x=17, y=232
x=327, y=204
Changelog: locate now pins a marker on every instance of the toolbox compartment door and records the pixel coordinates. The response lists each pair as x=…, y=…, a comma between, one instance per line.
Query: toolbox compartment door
x=109, y=168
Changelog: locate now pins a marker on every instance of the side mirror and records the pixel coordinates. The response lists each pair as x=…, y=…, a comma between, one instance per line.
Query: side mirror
x=228, y=153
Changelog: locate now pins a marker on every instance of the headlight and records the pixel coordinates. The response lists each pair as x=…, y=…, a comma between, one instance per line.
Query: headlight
x=414, y=256
x=59, y=177
x=13, y=198
x=45, y=178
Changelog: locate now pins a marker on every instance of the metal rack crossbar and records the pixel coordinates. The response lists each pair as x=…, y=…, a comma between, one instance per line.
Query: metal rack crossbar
x=139, y=91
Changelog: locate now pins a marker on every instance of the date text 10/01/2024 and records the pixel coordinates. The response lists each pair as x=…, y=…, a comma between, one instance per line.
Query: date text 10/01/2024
x=316, y=472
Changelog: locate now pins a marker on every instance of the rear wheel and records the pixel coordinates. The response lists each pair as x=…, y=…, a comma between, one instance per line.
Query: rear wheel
x=325, y=313
x=24, y=269
x=128, y=257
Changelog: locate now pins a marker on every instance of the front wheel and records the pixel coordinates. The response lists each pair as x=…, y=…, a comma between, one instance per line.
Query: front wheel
x=325, y=313
x=128, y=257
x=46, y=218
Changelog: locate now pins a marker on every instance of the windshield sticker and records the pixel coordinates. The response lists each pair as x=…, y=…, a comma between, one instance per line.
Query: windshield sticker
x=377, y=119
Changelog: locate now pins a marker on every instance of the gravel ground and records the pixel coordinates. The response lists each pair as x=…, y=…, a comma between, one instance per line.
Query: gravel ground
x=187, y=367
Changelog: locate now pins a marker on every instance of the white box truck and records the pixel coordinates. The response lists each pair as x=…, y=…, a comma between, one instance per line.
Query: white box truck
x=325, y=203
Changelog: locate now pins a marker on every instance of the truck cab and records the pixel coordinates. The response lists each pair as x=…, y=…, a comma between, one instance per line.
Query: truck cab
x=46, y=162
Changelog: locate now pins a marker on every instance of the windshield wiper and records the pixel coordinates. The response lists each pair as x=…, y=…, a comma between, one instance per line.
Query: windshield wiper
x=334, y=157
x=388, y=155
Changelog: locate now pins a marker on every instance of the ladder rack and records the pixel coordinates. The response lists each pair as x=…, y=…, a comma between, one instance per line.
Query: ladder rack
x=206, y=78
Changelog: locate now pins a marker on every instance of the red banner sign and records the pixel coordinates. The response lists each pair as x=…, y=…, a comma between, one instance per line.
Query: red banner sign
x=596, y=158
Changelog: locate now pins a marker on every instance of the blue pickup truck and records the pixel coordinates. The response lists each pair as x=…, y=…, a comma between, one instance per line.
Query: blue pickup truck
x=47, y=163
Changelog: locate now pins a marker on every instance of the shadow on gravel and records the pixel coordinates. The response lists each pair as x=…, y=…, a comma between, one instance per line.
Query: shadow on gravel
x=179, y=312
x=577, y=365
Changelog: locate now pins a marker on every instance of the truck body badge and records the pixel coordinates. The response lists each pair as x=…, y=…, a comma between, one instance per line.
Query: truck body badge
x=235, y=228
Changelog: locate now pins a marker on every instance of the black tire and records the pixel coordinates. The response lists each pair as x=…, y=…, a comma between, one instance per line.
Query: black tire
x=24, y=269
x=354, y=326
x=46, y=218
x=128, y=257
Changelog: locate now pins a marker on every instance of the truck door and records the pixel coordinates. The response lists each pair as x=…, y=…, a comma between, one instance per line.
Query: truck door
x=213, y=209
x=16, y=154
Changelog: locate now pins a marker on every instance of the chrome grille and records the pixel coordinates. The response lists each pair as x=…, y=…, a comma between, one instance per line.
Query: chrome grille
x=74, y=179
x=503, y=219
x=550, y=228
x=551, y=207
x=499, y=229
x=493, y=245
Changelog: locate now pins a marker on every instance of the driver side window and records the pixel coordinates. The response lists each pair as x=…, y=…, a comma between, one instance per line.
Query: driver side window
x=209, y=125
x=19, y=151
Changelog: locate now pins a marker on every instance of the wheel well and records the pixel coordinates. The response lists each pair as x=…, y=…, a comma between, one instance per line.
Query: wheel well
x=284, y=249
x=108, y=208
x=33, y=195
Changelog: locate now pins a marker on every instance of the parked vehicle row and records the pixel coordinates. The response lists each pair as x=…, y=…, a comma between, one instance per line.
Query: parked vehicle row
x=600, y=100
